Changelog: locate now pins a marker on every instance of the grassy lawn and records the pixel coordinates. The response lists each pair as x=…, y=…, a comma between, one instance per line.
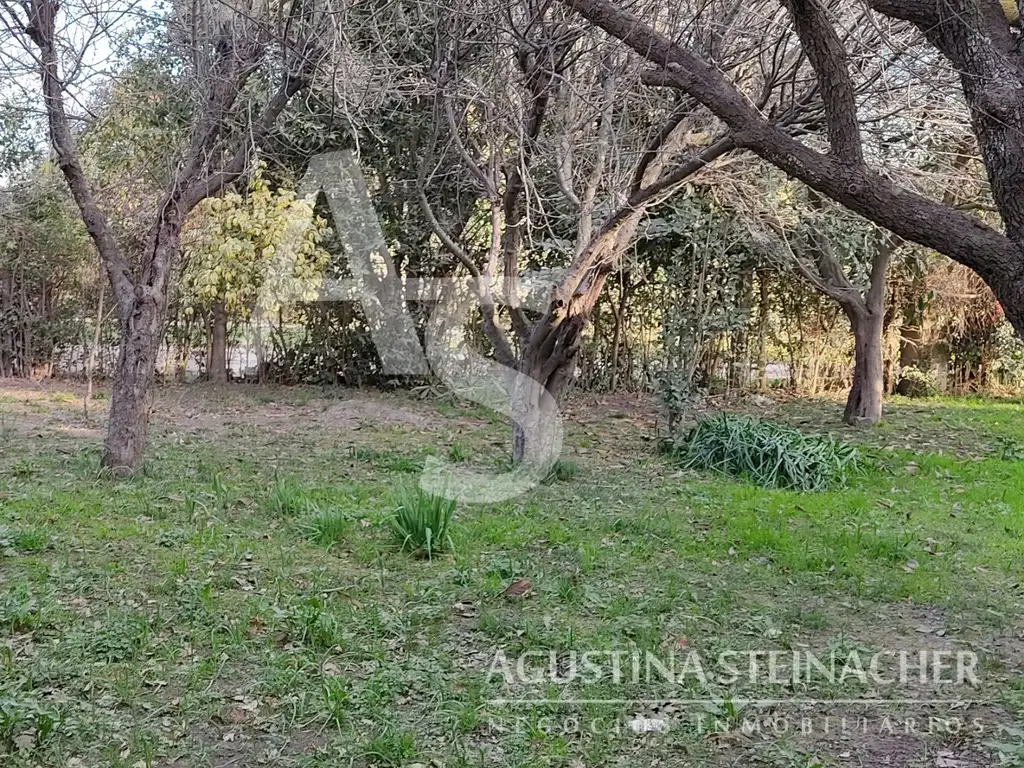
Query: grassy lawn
x=244, y=602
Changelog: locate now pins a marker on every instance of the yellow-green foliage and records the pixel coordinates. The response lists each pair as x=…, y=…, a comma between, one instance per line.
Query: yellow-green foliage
x=259, y=249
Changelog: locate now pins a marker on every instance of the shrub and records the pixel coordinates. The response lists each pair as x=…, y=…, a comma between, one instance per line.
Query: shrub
x=770, y=455
x=920, y=383
x=422, y=521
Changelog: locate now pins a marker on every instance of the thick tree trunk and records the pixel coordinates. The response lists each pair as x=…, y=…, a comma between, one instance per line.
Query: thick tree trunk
x=125, y=444
x=142, y=325
x=864, y=405
x=534, y=409
x=218, y=371
x=545, y=369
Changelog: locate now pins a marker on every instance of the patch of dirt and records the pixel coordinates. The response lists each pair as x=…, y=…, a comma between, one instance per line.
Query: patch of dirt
x=56, y=408
x=360, y=411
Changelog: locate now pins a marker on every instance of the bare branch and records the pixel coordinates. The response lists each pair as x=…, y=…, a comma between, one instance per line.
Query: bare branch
x=40, y=29
x=909, y=215
x=829, y=59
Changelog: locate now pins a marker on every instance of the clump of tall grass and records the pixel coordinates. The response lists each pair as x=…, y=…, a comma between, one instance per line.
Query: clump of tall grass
x=286, y=497
x=325, y=526
x=422, y=521
x=767, y=454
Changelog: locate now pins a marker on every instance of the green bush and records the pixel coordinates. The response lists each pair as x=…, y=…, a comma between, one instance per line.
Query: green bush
x=920, y=383
x=770, y=455
x=422, y=521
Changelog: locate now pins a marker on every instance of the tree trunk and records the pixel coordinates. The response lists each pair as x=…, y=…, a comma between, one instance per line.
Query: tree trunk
x=911, y=337
x=534, y=406
x=218, y=371
x=543, y=373
x=864, y=405
x=133, y=379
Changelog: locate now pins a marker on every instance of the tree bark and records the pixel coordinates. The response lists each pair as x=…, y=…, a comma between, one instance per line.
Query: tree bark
x=864, y=405
x=218, y=371
x=911, y=338
x=142, y=328
x=532, y=404
x=133, y=378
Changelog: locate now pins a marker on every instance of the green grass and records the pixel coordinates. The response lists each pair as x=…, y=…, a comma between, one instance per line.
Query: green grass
x=244, y=601
x=326, y=526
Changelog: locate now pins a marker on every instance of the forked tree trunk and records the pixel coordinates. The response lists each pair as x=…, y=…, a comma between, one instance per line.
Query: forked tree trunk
x=141, y=332
x=218, y=371
x=864, y=404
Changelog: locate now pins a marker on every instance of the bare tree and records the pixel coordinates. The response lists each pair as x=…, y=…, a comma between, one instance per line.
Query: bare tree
x=812, y=253
x=569, y=144
x=974, y=36
x=226, y=48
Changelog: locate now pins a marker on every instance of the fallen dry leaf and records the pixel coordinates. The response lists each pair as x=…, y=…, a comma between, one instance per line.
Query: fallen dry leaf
x=518, y=588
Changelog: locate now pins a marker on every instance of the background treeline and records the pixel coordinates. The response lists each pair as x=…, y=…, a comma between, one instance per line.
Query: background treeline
x=691, y=310
x=519, y=132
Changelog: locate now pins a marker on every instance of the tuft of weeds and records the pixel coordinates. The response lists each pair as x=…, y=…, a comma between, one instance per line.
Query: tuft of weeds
x=561, y=471
x=221, y=492
x=325, y=526
x=287, y=498
x=19, y=611
x=30, y=540
x=23, y=470
x=122, y=638
x=25, y=725
x=422, y=521
x=311, y=624
x=458, y=453
x=769, y=455
x=390, y=748
x=337, y=696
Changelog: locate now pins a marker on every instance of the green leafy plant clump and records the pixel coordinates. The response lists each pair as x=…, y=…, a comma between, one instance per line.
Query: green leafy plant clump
x=422, y=521
x=769, y=455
